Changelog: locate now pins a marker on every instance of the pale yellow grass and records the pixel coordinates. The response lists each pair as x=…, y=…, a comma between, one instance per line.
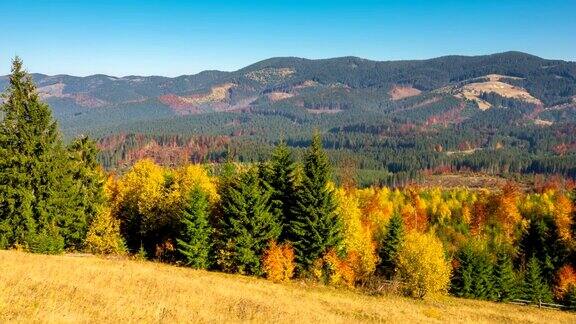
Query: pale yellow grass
x=90, y=289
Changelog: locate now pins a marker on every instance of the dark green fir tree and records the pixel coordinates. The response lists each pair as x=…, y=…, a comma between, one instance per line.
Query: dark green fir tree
x=279, y=174
x=390, y=245
x=194, y=242
x=315, y=227
x=47, y=195
x=246, y=225
x=474, y=276
x=506, y=282
x=535, y=287
x=30, y=156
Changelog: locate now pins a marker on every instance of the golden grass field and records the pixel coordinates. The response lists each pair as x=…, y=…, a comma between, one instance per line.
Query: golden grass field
x=91, y=289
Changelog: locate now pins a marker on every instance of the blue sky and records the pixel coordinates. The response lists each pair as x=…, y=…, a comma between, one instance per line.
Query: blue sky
x=183, y=37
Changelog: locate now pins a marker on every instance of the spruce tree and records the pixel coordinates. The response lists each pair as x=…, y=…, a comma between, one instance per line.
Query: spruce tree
x=48, y=193
x=541, y=240
x=246, y=225
x=506, y=282
x=474, y=276
x=30, y=162
x=315, y=227
x=194, y=240
x=535, y=288
x=484, y=277
x=85, y=192
x=279, y=174
x=389, y=246
x=463, y=278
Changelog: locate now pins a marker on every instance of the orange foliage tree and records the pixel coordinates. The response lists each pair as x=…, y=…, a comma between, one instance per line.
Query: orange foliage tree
x=565, y=278
x=278, y=262
x=331, y=269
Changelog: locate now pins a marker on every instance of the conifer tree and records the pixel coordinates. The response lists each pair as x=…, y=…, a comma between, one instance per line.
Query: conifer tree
x=246, y=224
x=279, y=173
x=390, y=246
x=315, y=228
x=47, y=195
x=474, y=276
x=535, y=288
x=506, y=282
x=541, y=240
x=194, y=241
x=484, y=277
x=86, y=190
x=30, y=162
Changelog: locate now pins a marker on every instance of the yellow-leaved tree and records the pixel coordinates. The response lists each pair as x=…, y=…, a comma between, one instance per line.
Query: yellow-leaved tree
x=104, y=235
x=357, y=234
x=563, y=217
x=422, y=266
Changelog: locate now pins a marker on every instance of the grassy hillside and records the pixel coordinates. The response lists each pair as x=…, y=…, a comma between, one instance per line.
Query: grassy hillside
x=67, y=288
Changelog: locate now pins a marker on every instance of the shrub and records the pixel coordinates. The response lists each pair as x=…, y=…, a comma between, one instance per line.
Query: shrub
x=570, y=298
x=333, y=270
x=104, y=235
x=278, y=262
x=46, y=243
x=422, y=266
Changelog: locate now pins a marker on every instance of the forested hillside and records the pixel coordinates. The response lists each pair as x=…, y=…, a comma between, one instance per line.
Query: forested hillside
x=507, y=113
x=283, y=218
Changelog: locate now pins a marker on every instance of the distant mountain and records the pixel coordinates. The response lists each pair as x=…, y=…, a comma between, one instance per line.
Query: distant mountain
x=328, y=84
x=467, y=102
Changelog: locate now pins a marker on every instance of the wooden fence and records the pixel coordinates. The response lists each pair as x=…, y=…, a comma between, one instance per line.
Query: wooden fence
x=539, y=304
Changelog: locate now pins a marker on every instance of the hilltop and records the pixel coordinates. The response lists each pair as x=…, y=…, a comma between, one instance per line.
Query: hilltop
x=86, y=288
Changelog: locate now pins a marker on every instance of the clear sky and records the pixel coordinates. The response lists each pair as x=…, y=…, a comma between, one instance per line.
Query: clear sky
x=169, y=37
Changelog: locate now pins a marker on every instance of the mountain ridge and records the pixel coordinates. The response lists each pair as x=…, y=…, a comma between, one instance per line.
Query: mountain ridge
x=511, y=52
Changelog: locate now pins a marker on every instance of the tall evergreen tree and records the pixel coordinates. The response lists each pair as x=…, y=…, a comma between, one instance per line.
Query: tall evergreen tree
x=463, y=277
x=86, y=191
x=279, y=173
x=246, y=225
x=535, y=288
x=47, y=195
x=30, y=152
x=315, y=227
x=194, y=241
x=474, y=276
x=506, y=283
x=390, y=245
x=541, y=240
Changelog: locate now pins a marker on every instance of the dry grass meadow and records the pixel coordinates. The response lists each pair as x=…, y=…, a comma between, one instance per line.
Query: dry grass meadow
x=90, y=289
